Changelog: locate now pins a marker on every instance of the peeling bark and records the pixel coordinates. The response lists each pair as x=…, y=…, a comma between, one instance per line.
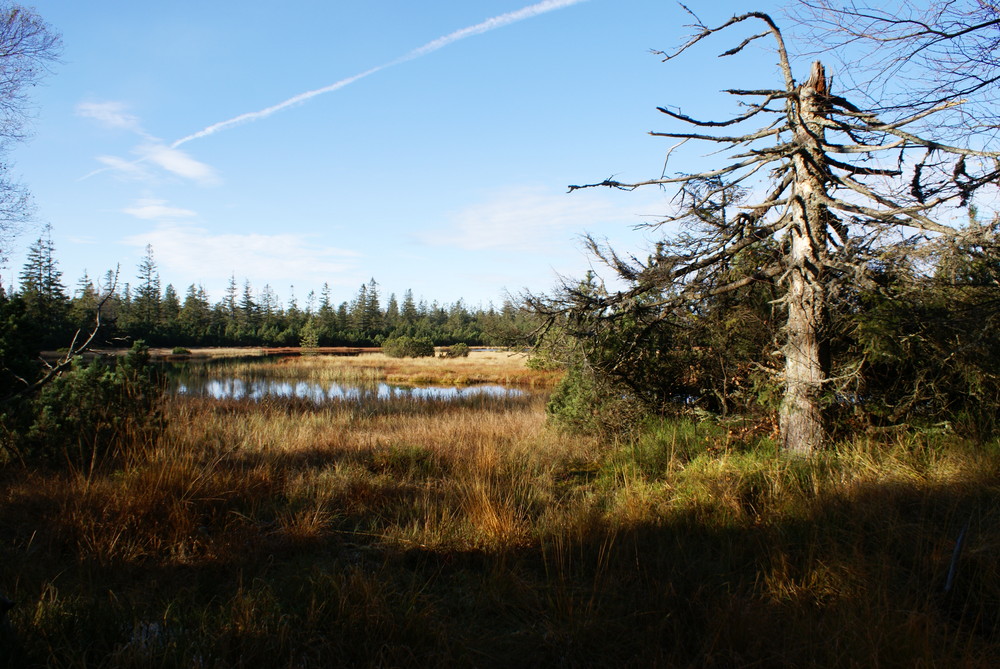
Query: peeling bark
x=801, y=415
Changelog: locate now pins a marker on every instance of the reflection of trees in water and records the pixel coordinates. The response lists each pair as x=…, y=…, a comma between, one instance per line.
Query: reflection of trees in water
x=256, y=389
x=232, y=379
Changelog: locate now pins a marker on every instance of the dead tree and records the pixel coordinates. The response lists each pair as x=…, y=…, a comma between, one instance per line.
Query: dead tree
x=27, y=47
x=832, y=181
x=904, y=55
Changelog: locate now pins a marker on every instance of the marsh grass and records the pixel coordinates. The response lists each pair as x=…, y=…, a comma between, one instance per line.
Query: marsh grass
x=287, y=534
x=478, y=368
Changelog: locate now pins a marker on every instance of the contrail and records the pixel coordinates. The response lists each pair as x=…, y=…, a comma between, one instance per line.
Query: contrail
x=264, y=113
x=441, y=42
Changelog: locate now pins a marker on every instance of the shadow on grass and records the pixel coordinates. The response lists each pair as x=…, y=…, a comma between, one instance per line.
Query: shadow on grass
x=234, y=571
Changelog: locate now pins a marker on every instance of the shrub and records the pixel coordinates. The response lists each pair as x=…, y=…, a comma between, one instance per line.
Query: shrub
x=459, y=350
x=585, y=402
x=180, y=350
x=408, y=347
x=95, y=410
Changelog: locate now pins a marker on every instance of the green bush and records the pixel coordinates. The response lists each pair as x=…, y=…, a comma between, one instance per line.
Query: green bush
x=180, y=350
x=459, y=350
x=585, y=402
x=94, y=411
x=408, y=347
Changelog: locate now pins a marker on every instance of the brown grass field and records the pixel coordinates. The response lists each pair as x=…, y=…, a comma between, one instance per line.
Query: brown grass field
x=479, y=367
x=435, y=534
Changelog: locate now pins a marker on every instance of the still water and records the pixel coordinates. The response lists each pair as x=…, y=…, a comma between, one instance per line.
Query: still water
x=207, y=380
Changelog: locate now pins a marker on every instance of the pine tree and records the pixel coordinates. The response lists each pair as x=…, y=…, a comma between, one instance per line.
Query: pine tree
x=229, y=301
x=325, y=307
x=40, y=278
x=327, y=317
x=270, y=304
x=293, y=304
x=359, y=310
x=373, y=310
x=249, y=310
x=343, y=317
x=270, y=315
x=108, y=284
x=146, y=303
x=295, y=320
x=409, y=310
x=228, y=312
x=83, y=306
x=195, y=315
x=45, y=301
x=391, y=312
x=170, y=310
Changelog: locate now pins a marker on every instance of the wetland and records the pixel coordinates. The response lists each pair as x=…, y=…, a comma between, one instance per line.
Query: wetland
x=469, y=531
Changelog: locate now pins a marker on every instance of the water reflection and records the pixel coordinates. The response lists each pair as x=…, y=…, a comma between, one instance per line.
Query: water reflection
x=257, y=389
x=230, y=379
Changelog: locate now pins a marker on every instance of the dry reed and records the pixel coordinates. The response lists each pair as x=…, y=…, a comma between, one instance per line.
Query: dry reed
x=289, y=534
x=479, y=367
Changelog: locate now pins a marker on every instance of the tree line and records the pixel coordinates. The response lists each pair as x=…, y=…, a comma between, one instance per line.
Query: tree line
x=48, y=313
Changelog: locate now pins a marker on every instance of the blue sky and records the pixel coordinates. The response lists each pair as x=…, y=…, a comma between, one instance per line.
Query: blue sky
x=442, y=169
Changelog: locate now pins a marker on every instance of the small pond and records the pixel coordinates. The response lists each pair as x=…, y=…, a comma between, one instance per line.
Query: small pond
x=214, y=380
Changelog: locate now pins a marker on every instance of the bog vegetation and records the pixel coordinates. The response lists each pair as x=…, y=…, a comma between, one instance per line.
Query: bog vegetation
x=479, y=533
x=638, y=505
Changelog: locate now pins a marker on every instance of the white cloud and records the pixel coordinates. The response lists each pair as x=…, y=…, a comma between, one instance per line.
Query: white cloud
x=536, y=219
x=194, y=254
x=129, y=170
x=171, y=160
x=152, y=151
x=110, y=114
x=156, y=210
x=177, y=162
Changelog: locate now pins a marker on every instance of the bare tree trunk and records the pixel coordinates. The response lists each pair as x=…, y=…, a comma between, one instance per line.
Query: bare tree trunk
x=801, y=415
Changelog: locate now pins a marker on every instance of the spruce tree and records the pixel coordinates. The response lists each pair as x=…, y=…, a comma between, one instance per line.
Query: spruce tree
x=373, y=310
x=409, y=310
x=146, y=303
x=391, y=312
x=195, y=315
x=249, y=310
x=83, y=306
x=40, y=278
x=45, y=301
x=169, y=311
x=359, y=311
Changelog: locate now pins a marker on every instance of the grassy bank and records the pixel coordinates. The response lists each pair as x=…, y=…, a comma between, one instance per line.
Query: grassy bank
x=286, y=535
x=479, y=367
